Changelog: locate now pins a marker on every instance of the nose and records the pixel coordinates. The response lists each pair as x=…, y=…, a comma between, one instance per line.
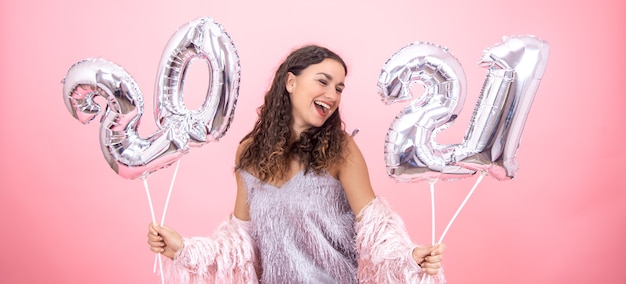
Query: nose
x=332, y=95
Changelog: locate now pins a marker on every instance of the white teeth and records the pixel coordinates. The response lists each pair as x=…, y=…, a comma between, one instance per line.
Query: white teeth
x=324, y=105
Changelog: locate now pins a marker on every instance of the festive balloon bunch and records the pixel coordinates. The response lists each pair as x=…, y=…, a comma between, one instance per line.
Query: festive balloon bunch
x=514, y=66
x=130, y=155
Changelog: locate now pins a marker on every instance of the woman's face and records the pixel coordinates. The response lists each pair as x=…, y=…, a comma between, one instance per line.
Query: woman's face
x=315, y=94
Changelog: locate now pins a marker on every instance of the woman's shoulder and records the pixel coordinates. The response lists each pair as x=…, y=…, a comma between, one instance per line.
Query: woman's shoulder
x=243, y=145
x=350, y=153
x=350, y=148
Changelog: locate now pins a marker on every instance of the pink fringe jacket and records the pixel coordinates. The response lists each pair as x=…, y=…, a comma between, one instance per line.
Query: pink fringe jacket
x=383, y=246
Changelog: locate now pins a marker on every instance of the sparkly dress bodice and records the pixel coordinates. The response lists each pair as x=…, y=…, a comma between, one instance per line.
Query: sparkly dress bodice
x=304, y=229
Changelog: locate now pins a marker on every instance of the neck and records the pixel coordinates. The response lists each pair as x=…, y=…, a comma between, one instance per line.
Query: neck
x=295, y=133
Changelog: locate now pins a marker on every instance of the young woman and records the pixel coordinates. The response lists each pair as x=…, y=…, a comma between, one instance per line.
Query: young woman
x=305, y=210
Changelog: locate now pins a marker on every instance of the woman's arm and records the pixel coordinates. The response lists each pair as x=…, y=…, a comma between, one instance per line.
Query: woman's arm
x=241, y=211
x=354, y=177
x=228, y=255
x=383, y=244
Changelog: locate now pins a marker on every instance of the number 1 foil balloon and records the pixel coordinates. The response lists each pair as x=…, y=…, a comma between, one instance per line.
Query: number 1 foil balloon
x=411, y=152
x=130, y=155
x=515, y=67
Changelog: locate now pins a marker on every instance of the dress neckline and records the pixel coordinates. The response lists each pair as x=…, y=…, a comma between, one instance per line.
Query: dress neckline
x=287, y=181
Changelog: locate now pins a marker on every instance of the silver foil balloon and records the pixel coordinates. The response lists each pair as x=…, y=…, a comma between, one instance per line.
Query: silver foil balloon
x=201, y=39
x=411, y=152
x=515, y=67
x=130, y=155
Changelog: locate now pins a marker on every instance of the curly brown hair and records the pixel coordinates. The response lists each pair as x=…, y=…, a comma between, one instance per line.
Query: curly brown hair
x=270, y=149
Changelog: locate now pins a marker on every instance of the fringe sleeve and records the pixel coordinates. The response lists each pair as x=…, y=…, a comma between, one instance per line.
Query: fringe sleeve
x=226, y=257
x=384, y=247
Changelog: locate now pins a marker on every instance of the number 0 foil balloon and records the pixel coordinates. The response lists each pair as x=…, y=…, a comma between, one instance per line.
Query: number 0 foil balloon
x=515, y=68
x=201, y=39
x=130, y=155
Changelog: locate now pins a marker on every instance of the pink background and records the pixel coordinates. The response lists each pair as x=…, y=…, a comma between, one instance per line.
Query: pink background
x=66, y=217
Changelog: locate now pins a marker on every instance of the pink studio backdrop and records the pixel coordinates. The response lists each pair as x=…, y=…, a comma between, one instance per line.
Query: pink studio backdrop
x=66, y=217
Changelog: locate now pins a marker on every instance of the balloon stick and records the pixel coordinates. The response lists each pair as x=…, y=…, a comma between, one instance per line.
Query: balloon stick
x=145, y=185
x=167, y=201
x=478, y=180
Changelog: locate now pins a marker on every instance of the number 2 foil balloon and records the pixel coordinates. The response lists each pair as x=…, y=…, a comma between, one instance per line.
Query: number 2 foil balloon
x=411, y=152
x=514, y=67
x=130, y=155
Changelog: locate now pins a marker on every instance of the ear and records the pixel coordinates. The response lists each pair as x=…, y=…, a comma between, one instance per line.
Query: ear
x=290, y=82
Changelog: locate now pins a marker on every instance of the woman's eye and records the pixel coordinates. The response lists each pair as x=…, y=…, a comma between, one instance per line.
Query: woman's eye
x=323, y=82
x=339, y=90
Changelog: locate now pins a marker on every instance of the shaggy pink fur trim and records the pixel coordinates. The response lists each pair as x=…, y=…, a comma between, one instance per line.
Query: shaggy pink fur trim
x=384, y=247
x=226, y=257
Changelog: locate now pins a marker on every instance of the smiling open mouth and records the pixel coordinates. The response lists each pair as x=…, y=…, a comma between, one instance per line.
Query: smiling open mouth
x=322, y=107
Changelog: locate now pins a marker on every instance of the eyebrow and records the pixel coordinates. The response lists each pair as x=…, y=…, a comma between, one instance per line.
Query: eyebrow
x=330, y=78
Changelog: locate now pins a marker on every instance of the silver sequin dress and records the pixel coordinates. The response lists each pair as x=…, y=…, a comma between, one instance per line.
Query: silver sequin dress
x=304, y=229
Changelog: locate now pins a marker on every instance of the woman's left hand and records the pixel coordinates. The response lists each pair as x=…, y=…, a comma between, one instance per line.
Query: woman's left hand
x=429, y=257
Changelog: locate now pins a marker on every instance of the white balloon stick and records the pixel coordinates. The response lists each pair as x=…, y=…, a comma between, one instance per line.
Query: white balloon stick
x=480, y=178
x=145, y=185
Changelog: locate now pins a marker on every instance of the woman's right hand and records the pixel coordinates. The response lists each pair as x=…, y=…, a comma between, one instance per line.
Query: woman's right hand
x=429, y=257
x=164, y=240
